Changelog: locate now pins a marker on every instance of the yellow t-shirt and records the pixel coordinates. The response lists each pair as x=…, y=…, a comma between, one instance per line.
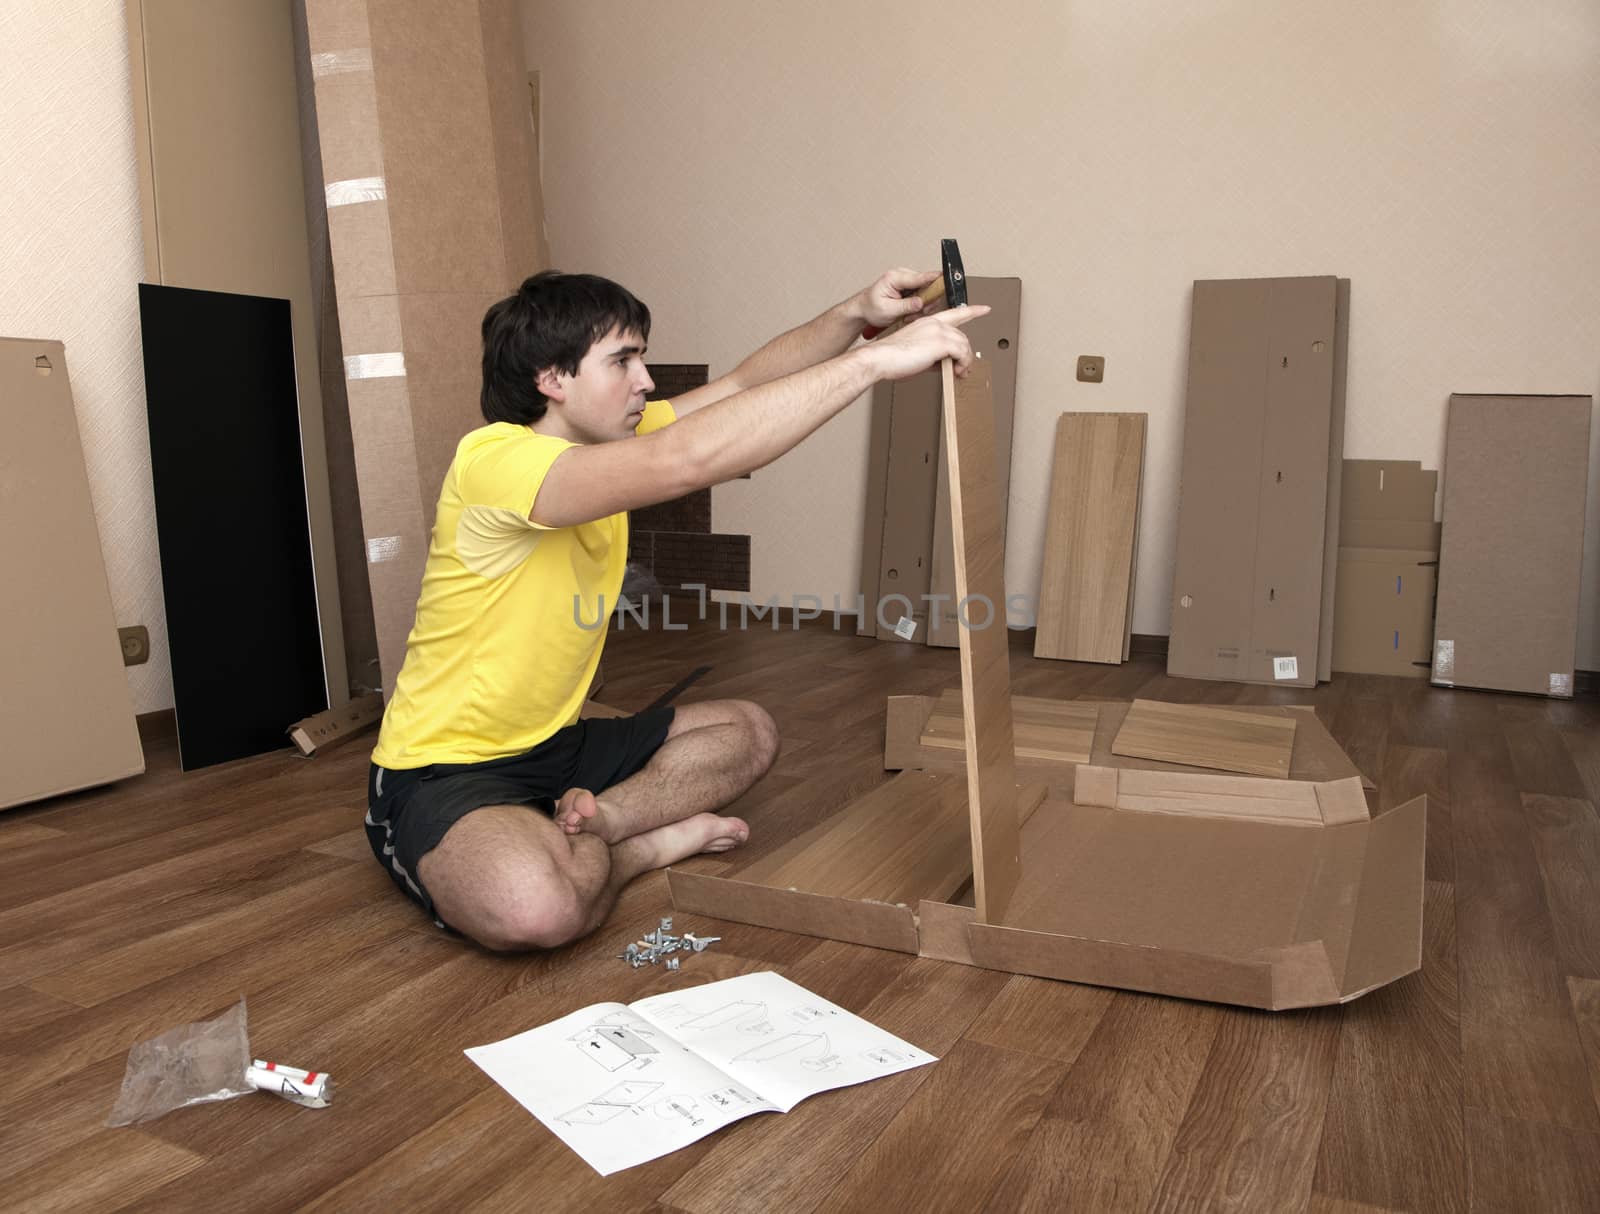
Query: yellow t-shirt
x=512, y=615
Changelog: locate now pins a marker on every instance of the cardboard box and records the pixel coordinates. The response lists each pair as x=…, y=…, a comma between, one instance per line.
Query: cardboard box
x=1515, y=492
x=1133, y=898
x=1383, y=615
x=67, y=714
x=433, y=215
x=1258, y=510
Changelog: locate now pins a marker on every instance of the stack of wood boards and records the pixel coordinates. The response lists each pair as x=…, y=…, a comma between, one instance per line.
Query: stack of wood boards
x=1515, y=494
x=1091, y=538
x=1388, y=558
x=1054, y=730
x=1205, y=735
x=907, y=556
x=1258, y=509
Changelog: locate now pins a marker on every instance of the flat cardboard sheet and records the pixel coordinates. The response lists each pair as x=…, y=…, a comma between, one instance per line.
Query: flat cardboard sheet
x=1254, y=505
x=1515, y=493
x=67, y=714
x=1383, y=609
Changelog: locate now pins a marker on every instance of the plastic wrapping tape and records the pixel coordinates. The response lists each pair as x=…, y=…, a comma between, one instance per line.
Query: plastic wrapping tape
x=355, y=189
x=384, y=548
x=340, y=63
x=1444, y=661
x=375, y=366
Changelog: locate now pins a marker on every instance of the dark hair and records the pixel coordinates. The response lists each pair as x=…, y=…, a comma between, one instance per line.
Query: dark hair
x=551, y=321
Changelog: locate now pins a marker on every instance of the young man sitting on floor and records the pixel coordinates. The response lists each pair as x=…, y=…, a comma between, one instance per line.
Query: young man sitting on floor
x=489, y=801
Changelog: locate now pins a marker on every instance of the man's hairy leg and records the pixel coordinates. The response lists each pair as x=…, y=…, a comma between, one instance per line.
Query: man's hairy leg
x=507, y=877
x=713, y=753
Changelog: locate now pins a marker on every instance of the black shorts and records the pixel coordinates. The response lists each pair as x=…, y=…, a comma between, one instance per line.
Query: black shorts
x=409, y=811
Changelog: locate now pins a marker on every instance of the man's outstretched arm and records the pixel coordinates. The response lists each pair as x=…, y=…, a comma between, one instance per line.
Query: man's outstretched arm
x=881, y=303
x=741, y=433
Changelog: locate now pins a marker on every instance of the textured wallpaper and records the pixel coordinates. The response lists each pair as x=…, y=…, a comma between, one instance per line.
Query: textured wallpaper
x=74, y=256
x=742, y=165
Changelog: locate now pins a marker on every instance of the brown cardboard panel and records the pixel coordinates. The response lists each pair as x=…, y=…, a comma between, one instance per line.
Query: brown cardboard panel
x=1207, y=735
x=511, y=133
x=1387, y=938
x=439, y=163
x=67, y=714
x=1400, y=490
x=996, y=338
x=1332, y=512
x=443, y=385
x=1252, y=516
x=905, y=557
x=1089, y=537
x=874, y=924
x=1252, y=798
x=1515, y=493
x=923, y=530
x=942, y=932
x=1390, y=533
x=1384, y=614
x=876, y=506
x=975, y=515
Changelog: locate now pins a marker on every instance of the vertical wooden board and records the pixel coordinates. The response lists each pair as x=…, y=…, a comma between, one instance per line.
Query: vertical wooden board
x=1089, y=537
x=872, y=513
x=995, y=337
x=1330, y=536
x=985, y=662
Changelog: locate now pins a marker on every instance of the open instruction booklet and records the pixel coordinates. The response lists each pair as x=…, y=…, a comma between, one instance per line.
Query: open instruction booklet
x=622, y=1084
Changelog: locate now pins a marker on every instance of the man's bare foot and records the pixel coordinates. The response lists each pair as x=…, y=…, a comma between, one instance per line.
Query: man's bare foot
x=679, y=840
x=578, y=811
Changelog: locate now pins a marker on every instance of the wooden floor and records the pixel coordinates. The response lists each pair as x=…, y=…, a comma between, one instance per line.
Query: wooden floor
x=1472, y=1085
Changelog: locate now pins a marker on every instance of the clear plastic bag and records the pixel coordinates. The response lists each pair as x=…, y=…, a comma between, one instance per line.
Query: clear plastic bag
x=191, y=1064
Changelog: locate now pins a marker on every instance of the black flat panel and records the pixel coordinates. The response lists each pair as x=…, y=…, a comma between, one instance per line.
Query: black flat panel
x=231, y=517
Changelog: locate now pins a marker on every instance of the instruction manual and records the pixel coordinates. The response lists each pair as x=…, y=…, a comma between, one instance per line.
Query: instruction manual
x=622, y=1084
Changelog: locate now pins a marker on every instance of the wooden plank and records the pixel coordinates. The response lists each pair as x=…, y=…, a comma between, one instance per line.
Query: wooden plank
x=1177, y=792
x=985, y=662
x=996, y=338
x=1566, y=840
x=1526, y=1165
x=1089, y=537
x=1585, y=995
x=924, y=1155
x=108, y=1172
x=1034, y=1016
x=1249, y=1138
x=1053, y=730
x=1110, y=1125
x=903, y=841
x=1205, y=735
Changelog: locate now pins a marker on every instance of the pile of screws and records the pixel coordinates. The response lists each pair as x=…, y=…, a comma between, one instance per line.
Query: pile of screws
x=659, y=944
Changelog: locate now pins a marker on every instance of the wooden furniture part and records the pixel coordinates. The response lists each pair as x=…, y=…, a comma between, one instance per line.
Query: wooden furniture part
x=1091, y=529
x=1204, y=735
x=985, y=662
x=1056, y=730
x=1245, y=797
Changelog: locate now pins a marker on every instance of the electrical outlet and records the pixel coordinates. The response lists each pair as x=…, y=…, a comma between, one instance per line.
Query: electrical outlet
x=1091, y=368
x=135, y=645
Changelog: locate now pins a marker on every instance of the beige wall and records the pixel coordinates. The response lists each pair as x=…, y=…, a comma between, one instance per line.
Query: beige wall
x=73, y=259
x=740, y=165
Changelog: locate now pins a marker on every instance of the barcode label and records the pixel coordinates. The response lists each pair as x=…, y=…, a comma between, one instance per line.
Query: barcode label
x=1286, y=668
x=906, y=628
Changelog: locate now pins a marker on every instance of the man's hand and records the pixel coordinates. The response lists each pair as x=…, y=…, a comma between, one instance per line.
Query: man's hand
x=882, y=303
x=922, y=343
